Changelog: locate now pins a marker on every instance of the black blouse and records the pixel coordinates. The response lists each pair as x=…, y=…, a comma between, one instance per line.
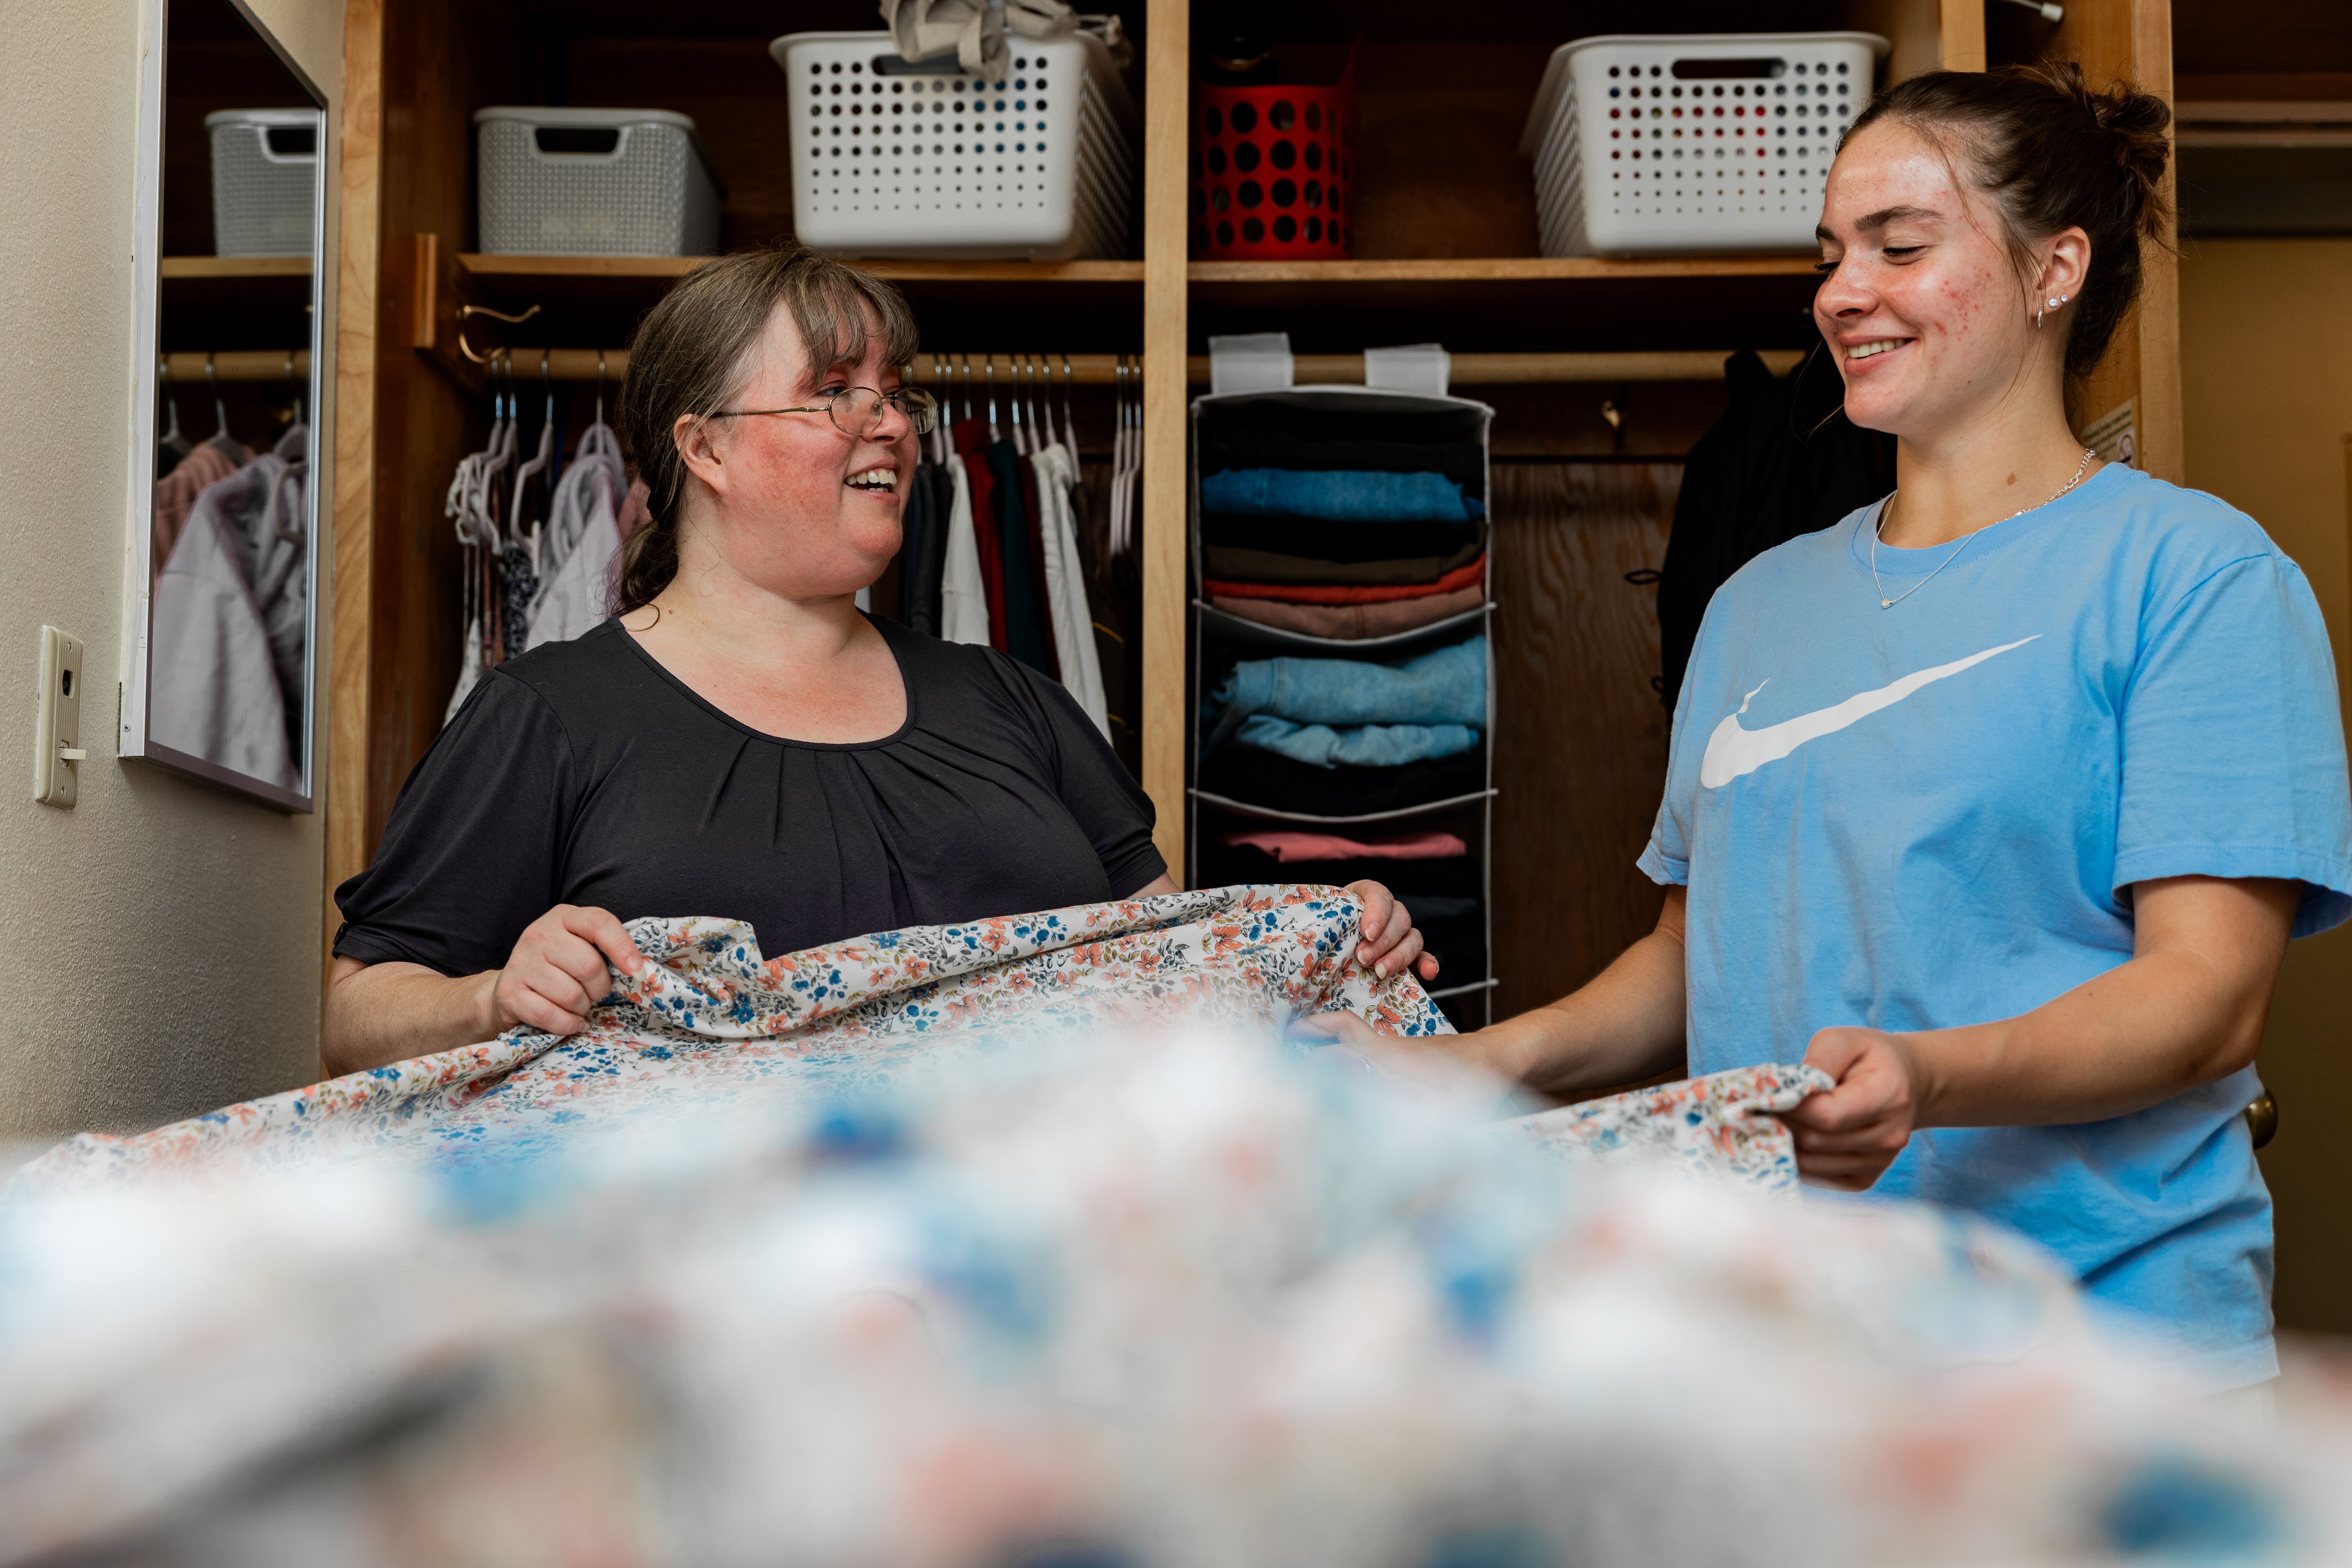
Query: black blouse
x=584, y=773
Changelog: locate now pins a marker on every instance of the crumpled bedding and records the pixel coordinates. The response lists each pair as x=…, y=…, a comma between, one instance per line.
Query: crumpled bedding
x=712, y=1020
x=1163, y=1297
x=1727, y=1123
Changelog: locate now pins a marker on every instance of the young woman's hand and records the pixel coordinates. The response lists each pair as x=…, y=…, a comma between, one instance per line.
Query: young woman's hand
x=1848, y=1137
x=560, y=967
x=1390, y=945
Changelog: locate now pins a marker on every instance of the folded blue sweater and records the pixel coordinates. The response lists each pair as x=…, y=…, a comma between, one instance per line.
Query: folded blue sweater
x=1447, y=686
x=1358, y=745
x=1339, y=495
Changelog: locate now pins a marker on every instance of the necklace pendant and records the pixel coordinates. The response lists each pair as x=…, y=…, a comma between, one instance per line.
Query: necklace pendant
x=1885, y=604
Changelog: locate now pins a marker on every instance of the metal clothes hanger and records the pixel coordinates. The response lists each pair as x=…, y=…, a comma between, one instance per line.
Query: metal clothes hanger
x=220, y=436
x=1021, y=442
x=295, y=383
x=172, y=437
x=1038, y=429
x=523, y=531
x=988, y=367
x=1069, y=417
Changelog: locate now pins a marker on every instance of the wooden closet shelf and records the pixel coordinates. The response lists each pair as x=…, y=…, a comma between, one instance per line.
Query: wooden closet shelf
x=1511, y=304
x=209, y=266
x=1493, y=270
x=1079, y=305
x=663, y=269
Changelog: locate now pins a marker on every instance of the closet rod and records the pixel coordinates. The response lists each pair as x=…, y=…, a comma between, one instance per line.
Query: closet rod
x=1100, y=370
x=581, y=364
x=240, y=365
x=1530, y=369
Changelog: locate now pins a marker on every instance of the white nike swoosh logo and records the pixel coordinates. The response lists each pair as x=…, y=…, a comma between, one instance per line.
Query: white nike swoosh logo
x=1734, y=752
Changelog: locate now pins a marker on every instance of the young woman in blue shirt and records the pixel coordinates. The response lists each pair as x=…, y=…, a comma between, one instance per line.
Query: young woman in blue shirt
x=2000, y=800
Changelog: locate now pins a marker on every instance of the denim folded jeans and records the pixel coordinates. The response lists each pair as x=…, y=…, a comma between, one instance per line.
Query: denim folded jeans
x=1358, y=745
x=1340, y=496
x=1444, y=686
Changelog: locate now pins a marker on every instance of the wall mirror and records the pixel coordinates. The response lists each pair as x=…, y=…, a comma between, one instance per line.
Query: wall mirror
x=223, y=568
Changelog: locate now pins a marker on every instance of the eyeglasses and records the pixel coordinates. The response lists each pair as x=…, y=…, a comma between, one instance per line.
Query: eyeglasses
x=857, y=410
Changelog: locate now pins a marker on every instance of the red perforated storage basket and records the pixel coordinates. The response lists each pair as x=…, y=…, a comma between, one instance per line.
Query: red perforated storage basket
x=1274, y=171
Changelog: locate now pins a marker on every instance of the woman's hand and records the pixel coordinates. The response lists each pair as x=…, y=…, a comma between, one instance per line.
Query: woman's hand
x=1848, y=1137
x=560, y=967
x=1390, y=945
x=391, y=1012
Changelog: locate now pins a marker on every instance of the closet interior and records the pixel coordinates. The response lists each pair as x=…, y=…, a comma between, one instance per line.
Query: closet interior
x=1599, y=376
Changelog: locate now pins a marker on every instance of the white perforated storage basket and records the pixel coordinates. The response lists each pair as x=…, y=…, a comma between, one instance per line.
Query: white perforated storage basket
x=265, y=181
x=594, y=181
x=1691, y=145
x=894, y=158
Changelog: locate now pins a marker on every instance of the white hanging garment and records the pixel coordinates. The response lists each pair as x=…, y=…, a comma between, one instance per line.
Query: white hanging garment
x=582, y=544
x=215, y=692
x=1065, y=588
x=596, y=467
x=963, y=595
x=469, y=674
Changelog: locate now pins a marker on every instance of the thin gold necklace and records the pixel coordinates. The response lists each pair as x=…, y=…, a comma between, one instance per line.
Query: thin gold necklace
x=1886, y=603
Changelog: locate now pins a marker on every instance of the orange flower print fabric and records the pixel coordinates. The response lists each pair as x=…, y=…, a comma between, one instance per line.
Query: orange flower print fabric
x=713, y=1019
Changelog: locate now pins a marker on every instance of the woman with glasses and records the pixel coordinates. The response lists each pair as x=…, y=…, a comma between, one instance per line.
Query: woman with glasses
x=740, y=740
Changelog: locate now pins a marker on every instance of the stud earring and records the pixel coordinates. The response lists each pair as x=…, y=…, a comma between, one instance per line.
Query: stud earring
x=2055, y=302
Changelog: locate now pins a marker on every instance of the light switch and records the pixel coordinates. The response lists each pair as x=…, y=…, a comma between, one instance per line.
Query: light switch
x=56, y=741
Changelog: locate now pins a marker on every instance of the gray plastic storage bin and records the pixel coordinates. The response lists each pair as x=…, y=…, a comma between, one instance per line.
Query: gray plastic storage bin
x=265, y=181
x=595, y=182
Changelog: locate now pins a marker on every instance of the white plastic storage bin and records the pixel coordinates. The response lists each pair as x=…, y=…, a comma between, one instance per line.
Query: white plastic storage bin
x=893, y=158
x=594, y=181
x=1691, y=145
x=265, y=181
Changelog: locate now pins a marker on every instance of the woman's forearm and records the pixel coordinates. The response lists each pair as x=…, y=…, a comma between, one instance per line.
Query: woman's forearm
x=1626, y=1025
x=2187, y=1009
x=380, y=1013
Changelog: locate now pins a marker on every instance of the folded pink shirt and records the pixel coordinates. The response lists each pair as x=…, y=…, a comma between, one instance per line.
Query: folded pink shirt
x=1289, y=847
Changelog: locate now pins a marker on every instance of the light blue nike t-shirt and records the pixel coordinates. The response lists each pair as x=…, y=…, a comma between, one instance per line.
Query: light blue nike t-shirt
x=1926, y=816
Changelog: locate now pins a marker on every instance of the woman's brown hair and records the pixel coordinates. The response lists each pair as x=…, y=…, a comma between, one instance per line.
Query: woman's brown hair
x=693, y=351
x=2053, y=155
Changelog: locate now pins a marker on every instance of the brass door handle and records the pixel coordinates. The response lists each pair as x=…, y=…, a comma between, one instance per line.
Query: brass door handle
x=2261, y=1119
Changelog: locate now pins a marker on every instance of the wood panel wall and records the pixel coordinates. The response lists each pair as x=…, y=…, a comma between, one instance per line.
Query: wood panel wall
x=1580, y=751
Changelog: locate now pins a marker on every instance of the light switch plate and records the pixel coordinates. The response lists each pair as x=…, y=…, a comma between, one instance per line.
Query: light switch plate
x=57, y=731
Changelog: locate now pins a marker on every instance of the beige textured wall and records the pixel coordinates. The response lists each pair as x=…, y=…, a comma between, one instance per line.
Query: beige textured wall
x=161, y=935
x=2266, y=378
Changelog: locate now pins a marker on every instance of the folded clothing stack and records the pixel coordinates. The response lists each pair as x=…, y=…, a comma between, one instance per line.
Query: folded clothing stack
x=1343, y=737
x=1342, y=525
x=1433, y=873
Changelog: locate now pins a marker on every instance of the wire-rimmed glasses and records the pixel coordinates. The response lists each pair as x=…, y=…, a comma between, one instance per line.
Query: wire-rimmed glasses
x=857, y=410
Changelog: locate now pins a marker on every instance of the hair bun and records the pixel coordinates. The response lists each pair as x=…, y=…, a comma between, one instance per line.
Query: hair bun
x=2136, y=125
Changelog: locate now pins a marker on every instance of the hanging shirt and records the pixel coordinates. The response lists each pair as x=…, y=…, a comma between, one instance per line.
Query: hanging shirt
x=214, y=685
x=1066, y=593
x=1931, y=815
x=964, y=594
x=581, y=545
x=584, y=773
x=1023, y=630
x=175, y=494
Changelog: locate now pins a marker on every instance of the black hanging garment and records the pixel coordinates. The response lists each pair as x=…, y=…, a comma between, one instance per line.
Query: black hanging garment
x=1783, y=461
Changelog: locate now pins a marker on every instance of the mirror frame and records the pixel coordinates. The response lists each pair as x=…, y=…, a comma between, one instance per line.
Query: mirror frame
x=137, y=684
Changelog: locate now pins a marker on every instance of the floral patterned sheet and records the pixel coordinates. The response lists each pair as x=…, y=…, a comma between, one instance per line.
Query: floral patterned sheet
x=712, y=1020
x=1727, y=1123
